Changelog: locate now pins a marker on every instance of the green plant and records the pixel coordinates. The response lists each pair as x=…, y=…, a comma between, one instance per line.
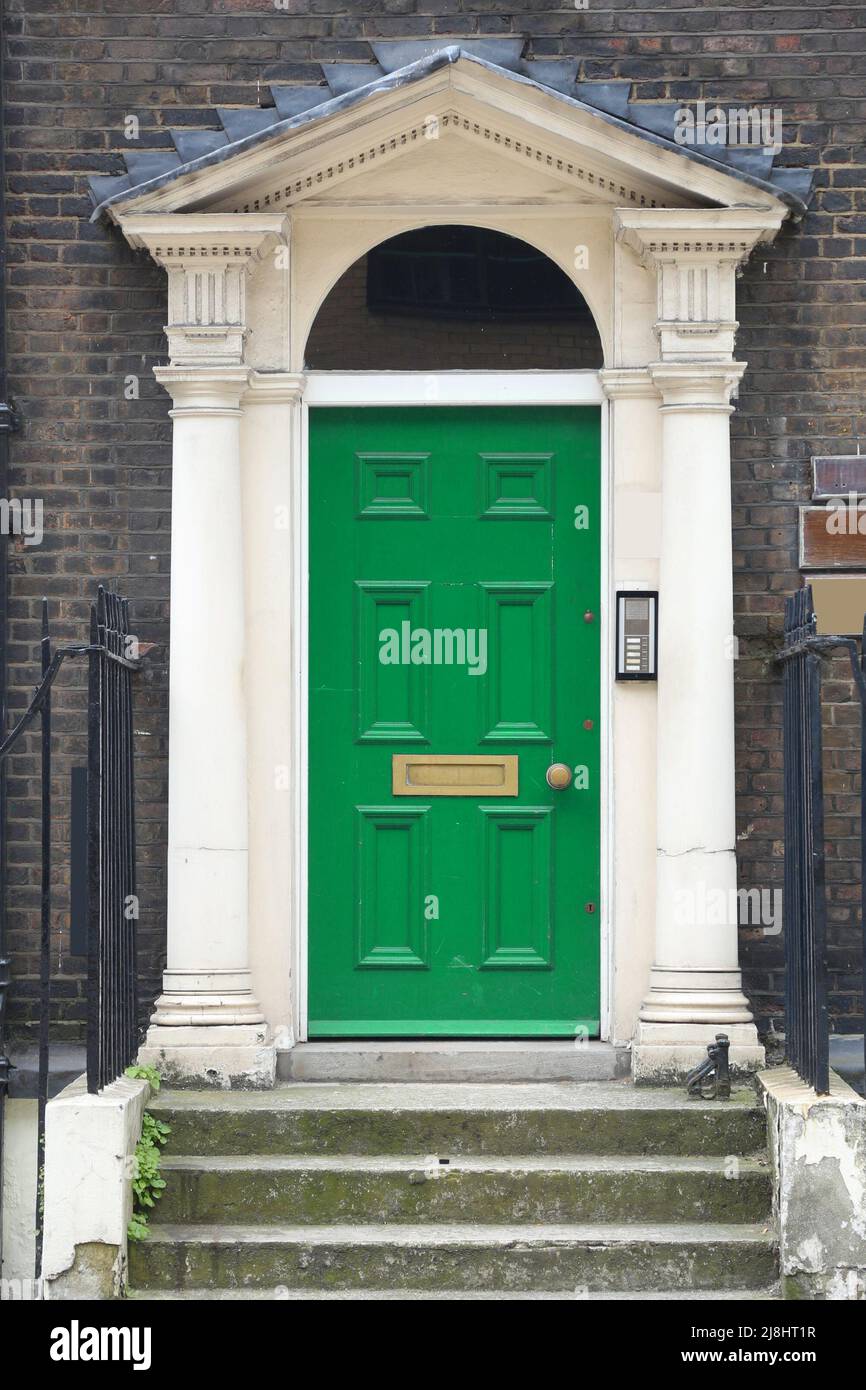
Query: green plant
x=147, y=1183
x=148, y=1074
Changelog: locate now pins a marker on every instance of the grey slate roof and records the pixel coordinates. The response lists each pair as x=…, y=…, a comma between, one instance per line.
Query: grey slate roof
x=400, y=62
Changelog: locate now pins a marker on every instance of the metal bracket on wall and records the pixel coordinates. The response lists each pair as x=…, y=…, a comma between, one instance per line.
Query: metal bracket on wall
x=10, y=420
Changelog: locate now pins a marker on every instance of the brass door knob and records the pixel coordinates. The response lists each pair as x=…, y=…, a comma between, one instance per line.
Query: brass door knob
x=558, y=776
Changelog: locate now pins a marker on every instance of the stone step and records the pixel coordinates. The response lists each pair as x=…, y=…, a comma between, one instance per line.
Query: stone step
x=402, y=1189
x=445, y=1120
x=447, y=1060
x=452, y=1295
x=547, y=1258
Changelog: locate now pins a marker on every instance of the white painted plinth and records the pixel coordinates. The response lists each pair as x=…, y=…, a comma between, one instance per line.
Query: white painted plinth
x=89, y=1146
x=223, y=1057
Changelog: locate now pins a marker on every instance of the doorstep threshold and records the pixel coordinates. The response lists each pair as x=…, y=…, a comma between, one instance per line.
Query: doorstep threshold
x=451, y=1060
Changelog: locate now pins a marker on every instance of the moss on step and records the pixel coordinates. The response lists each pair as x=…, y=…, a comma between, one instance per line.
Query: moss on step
x=354, y=1191
x=445, y=1259
x=695, y=1130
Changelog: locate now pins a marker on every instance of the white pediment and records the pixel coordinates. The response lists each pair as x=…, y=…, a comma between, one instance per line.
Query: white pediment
x=463, y=131
x=447, y=166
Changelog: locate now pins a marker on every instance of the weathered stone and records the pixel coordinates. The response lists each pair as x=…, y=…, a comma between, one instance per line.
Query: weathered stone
x=456, y=1257
x=552, y=1188
x=301, y=1190
x=818, y=1156
x=98, y=1271
x=439, y=1119
x=89, y=1145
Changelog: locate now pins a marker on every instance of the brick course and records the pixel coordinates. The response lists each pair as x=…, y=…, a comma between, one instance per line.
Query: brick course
x=85, y=313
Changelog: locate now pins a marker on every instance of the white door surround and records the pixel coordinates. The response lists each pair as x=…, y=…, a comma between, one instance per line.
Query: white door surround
x=659, y=239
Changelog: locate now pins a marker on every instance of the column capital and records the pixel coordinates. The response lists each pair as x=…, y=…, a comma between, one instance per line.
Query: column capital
x=208, y=257
x=627, y=381
x=696, y=386
x=204, y=390
x=695, y=253
x=275, y=388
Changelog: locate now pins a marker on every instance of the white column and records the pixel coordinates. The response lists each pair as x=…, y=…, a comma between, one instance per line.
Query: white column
x=695, y=982
x=207, y=1018
x=207, y=1027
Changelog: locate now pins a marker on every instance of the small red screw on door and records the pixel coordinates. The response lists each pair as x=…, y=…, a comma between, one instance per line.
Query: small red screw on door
x=590, y=907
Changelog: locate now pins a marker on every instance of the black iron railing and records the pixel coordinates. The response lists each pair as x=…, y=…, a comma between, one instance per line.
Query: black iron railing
x=112, y=1020
x=112, y=1036
x=803, y=904
x=807, y=1027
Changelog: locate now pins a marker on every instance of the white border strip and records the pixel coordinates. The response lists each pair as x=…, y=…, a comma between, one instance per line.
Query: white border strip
x=301, y=720
x=608, y=806
x=453, y=388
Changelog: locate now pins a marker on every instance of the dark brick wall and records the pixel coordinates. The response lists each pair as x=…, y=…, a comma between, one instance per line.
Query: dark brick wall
x=347, y=336
x=84, y=313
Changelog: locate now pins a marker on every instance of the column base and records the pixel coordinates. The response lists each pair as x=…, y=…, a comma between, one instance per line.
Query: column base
x=214, y=998
x=714, y=997
x=664, y=1053
x=227, y=1057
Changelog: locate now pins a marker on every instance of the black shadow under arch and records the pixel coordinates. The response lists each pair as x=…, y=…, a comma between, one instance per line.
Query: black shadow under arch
x=448, y=298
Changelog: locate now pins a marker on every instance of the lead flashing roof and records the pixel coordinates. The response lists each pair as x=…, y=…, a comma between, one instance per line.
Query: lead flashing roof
x=401, y=62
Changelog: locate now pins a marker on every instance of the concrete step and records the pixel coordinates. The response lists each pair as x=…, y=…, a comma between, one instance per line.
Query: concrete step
x=283, y=1294
x=402, y=1189
x=538, y=1118
x=449, y=1061
x=547, y=1258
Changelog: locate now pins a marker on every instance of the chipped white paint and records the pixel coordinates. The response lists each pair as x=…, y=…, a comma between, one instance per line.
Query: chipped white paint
x=89, y=1145
x=829, y=1140
x=818, y=1157
x=846, y=1285
x=810, y=1253
x=19, y=1188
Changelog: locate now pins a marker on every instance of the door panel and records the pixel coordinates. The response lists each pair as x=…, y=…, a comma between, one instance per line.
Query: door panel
x=451, y=891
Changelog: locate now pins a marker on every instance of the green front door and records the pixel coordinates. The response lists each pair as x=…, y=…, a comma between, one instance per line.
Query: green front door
x=454, y=656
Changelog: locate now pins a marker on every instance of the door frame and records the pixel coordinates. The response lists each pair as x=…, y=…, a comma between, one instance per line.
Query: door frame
x=382, y=389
